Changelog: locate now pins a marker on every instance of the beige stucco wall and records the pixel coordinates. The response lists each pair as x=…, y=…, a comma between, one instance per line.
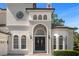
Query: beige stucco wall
x=46, y=23
x=2, y=16
x=18, y=26
x=65, y=33
x=25, y=26
x=3, y=44
x=12, y=9
x=11, y=50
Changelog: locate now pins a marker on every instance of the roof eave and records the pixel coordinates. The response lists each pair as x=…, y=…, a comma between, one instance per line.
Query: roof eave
x=40, y=8
x=75, y=28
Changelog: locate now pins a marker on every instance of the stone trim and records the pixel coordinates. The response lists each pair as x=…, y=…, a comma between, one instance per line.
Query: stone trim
x=5, y=33
x=65, y=27
x=40, y=8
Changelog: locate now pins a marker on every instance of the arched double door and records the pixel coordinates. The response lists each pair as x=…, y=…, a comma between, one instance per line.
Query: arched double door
x=40, y=34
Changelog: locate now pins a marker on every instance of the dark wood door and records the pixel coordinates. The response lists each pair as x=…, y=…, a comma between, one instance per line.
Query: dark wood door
x=40, y=43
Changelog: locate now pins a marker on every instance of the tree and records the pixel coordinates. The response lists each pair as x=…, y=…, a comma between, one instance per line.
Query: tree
x=56, y=21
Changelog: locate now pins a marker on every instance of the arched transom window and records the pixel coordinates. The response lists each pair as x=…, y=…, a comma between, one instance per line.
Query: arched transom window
x=35, y=17
x=40, y=17
x=45, y=17
x=40, y=30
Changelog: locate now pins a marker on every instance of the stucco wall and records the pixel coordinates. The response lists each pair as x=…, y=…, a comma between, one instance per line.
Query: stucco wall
x=2, y=16
x=13, y=8
x=25, y=26
x=65, y=33
x=40, y=12
x=46, y=23
x=11, y=50
x=3, y=44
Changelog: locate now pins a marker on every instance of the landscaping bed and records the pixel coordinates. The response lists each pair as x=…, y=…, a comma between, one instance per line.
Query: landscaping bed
x=66, y=53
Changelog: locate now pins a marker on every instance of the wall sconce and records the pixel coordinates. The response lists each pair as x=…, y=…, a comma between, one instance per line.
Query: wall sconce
x=30, y=36
x=49, y=36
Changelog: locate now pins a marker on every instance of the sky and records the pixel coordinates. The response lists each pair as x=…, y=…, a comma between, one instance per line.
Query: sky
x=69, y=12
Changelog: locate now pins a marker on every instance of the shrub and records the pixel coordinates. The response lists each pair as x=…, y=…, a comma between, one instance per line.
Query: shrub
x=65, y=53
x=76, y=49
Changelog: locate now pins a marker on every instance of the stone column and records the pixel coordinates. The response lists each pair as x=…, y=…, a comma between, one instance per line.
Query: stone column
x=30, y=44
x=19, y=41
x=12, y=42
x=63, y=43
x=47, y=43
x=57, y=42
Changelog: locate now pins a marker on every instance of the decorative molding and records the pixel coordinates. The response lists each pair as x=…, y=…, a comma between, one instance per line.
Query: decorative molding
x=2, y=25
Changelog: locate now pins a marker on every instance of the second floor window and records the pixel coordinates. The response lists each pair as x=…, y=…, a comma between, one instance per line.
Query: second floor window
x=40, y=17
x=35, y=17
x=45, y=17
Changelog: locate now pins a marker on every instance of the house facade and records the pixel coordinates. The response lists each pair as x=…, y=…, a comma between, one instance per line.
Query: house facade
x=31, y=31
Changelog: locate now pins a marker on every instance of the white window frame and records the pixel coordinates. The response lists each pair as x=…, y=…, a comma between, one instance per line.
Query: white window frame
x=25, y=42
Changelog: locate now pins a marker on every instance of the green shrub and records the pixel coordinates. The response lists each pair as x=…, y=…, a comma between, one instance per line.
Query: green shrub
x=76, y=49
x=65, y=53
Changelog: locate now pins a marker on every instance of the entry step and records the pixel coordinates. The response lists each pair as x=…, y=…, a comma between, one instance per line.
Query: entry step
x=40, y=54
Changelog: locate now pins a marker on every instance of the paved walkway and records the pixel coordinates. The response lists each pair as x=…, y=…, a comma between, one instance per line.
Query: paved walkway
x=40, y=54
x=35, y=54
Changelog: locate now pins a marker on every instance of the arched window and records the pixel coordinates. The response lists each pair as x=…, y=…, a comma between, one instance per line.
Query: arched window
x=40, y=17
x=23, y=42
x=35, y=17
x=66, y=42
x=54, y=42
x=39, y=32
x=60, y=42
x=16, y=42
x=45, y=17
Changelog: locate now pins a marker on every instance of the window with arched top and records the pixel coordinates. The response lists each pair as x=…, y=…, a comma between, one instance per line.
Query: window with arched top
x=60, y=42
x=23, y=42
x=54, y=42
x=16, y=46
x=66, y=42
x=40, y=17
x=45, y=17
x=35, y=17
x=40, y=32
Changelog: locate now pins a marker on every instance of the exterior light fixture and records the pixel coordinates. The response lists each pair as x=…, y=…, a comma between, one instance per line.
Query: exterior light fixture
x=49, y=36
x=30, y=36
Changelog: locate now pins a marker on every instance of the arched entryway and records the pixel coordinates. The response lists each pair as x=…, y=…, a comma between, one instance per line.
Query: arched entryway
x=40, y=36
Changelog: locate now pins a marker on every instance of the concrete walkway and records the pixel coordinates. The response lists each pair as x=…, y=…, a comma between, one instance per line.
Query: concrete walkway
x=35, y=54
